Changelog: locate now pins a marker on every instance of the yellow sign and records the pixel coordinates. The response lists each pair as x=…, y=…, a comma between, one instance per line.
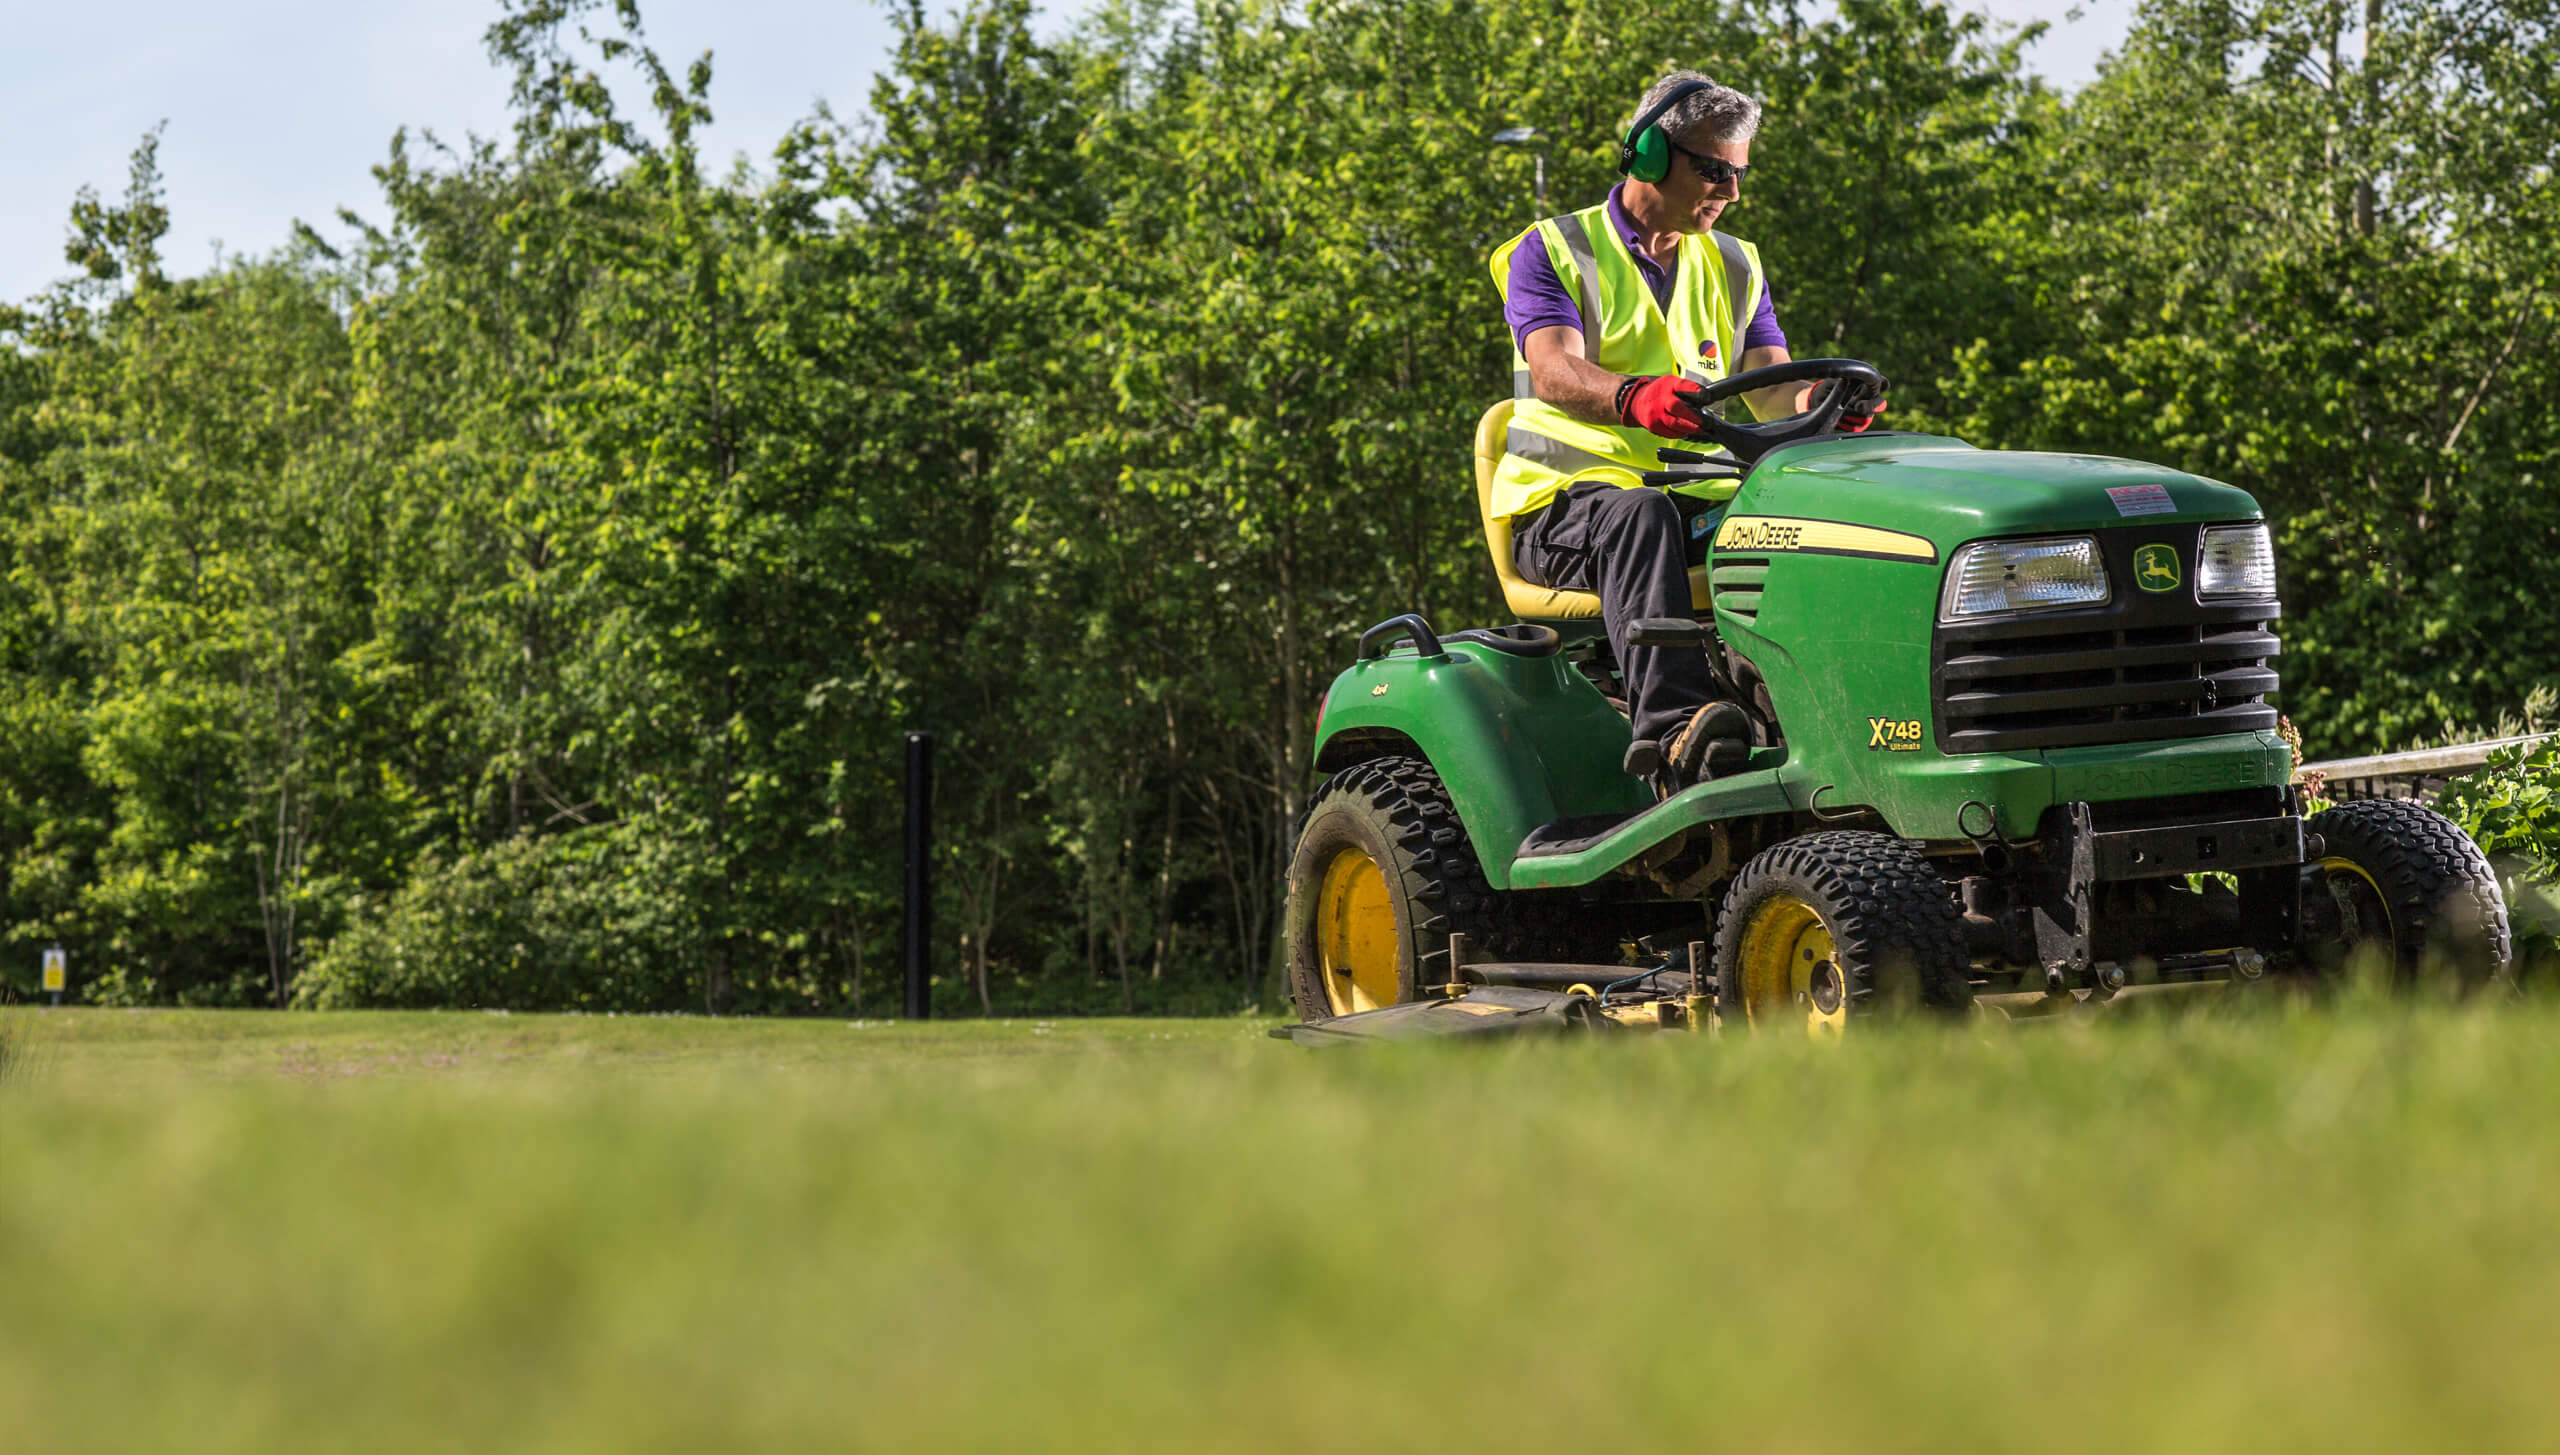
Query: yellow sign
x=56, y=968
x=1755, y=533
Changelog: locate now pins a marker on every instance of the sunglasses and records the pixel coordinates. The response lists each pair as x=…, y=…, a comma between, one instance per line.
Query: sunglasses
x=1714, y=171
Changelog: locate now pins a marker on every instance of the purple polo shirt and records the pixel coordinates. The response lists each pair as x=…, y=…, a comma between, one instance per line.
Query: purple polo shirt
x=1538, y=298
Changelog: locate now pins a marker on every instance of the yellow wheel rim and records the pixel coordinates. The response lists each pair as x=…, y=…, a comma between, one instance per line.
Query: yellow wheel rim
x=1790, y=968
x=2360, y=899
x=1356, y=934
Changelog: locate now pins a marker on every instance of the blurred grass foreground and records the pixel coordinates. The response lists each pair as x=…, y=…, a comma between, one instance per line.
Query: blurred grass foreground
x=2305, y=1229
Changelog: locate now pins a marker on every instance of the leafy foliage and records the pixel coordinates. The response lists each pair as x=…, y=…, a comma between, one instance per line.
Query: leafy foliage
x=595, y=918
x=2511, y=809
x=2313, y=250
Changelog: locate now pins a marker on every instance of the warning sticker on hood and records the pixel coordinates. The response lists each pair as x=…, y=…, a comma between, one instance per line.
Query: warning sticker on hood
x=2142, y=500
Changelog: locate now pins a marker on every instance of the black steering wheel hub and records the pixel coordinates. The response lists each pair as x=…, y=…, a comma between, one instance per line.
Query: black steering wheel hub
x=1856, y=382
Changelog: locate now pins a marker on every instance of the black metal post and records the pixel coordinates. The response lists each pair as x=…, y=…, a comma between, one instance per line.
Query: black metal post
x=919, y=876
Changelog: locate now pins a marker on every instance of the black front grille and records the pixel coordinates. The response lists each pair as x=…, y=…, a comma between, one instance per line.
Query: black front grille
x=2143, y=667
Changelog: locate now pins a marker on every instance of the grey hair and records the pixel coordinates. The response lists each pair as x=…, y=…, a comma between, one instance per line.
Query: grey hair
x=1714, y=115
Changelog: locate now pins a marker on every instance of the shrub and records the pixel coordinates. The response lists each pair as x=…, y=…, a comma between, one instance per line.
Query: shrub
x=594, y=919
x=2511, y=809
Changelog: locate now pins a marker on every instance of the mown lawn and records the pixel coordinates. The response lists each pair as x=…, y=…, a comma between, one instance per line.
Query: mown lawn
x=2312, y=1229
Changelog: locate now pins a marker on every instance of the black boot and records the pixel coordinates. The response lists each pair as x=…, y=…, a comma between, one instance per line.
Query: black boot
x=1713, y=742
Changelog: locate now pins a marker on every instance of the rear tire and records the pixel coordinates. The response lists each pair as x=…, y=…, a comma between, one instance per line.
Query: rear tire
x=1383, y=874
x=1837, y=927
x=2403, y=875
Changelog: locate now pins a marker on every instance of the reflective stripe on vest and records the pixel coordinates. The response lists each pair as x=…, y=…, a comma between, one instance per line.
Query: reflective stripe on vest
x=1554, y=454
x=1740, y=272
x=1626, y=329
x=1586, y=269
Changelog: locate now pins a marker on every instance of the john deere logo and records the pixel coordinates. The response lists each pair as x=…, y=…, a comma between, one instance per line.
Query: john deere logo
x=2155, y=568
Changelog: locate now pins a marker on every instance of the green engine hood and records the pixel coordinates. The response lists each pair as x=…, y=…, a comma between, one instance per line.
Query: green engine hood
x=1950, y=492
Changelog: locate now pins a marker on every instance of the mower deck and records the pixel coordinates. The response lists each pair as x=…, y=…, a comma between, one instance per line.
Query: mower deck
x=1493, y=1000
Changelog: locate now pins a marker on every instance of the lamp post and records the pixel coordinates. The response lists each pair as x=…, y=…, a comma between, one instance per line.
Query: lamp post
x=1522, y=136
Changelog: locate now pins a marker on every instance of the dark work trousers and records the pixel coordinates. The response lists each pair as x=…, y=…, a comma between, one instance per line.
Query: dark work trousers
x=1629, y=546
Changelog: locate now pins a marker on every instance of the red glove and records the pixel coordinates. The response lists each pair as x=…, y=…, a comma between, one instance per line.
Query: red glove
x=1856, y=423
x=1662, y=404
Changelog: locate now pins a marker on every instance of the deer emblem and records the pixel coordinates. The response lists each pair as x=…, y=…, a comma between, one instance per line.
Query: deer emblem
x=2155, y=568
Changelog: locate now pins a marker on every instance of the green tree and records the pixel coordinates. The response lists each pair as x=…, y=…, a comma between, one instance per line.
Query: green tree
x=2309, y=249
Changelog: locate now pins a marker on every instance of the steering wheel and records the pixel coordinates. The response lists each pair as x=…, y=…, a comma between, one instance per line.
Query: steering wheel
x=1748, y=442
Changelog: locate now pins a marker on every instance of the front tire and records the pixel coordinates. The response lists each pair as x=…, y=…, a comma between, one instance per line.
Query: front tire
x=2406, y=878
x=1836, y=927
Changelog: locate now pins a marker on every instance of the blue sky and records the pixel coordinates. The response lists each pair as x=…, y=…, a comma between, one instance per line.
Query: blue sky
x=277, y=108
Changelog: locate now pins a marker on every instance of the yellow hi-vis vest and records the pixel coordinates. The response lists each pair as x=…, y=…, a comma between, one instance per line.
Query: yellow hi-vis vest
x=1716, y=284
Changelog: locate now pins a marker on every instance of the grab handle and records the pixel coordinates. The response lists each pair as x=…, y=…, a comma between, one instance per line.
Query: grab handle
x=1375, y=641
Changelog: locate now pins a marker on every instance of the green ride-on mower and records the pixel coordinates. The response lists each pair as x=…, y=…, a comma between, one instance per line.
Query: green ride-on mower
x=2011, y=750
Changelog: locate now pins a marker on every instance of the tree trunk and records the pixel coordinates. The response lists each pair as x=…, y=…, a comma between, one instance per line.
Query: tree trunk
x=977, y=911
x=853, y=923
x=2366, y=220
x=1164, y=864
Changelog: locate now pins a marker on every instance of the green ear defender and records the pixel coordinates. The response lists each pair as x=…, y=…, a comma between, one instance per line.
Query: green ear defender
x=1645, y=156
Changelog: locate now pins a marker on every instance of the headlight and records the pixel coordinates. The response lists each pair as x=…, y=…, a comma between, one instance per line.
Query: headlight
x=1990, y=577
x=2235, y=561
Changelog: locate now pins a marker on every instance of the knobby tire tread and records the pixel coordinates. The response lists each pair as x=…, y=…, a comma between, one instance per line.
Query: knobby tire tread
x=2443, y=896
x=1883, y=901
x=1441, y=877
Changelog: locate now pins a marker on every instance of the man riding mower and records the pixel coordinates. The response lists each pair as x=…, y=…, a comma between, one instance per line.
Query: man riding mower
x=1927, y=725
x=1620, y=314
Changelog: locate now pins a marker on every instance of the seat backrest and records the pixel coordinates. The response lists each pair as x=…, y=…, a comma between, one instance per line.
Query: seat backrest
x=1491, y=431
x=1529, y=602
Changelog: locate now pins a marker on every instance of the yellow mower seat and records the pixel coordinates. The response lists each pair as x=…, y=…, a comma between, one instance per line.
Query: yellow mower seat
x=1528, y=602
